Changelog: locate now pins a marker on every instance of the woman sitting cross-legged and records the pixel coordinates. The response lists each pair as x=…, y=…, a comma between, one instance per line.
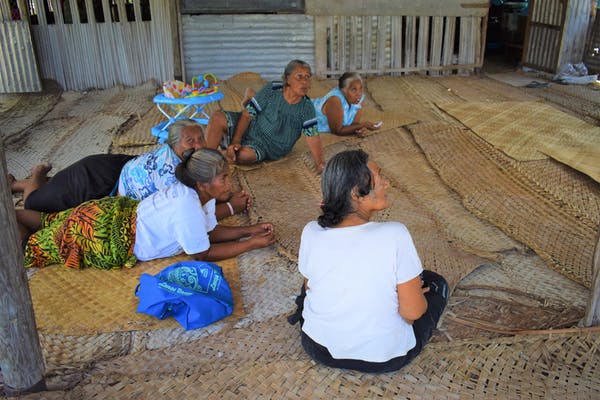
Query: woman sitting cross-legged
x=368, y=305
x=117, y=231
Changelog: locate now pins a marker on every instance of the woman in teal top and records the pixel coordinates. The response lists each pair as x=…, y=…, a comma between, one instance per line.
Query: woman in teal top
x=272, y=122
x=339, y=111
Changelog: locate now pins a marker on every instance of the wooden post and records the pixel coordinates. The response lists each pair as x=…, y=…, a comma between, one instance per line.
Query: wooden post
x=592, y=313
x=21, y=357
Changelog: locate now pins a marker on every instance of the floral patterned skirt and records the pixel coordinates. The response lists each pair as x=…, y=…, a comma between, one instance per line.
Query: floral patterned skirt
x=98, y=233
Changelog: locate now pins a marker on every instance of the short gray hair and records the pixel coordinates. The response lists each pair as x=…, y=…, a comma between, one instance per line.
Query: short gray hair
x=347, y=78
x=292, y=65
x=175, y=129
x=201, y=165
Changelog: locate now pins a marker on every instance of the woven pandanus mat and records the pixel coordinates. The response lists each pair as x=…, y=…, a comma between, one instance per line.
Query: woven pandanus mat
x=481, y=88
x=530, y=130
x=495, y=191
x=408, y=169
x=19, y=112
x=577, y=190
x=265, y=360
x=581, y=100
x=397, y=94
x=91, y=301
x=447, y=237
x=140, y=134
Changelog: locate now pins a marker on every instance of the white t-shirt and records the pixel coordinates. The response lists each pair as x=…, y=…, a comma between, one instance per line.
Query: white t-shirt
x=172, y=221
x=351, y=306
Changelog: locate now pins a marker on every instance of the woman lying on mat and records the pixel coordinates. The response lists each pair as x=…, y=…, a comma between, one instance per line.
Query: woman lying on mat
x=366, y=303
x=97, y=176
x=117, y=231
x=272, y=122
x=340, y=110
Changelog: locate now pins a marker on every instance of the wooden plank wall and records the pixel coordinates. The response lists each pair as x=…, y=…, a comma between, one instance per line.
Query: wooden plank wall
x=556, y=33
x=398, y=44
x=82, y=55
x=543, y=36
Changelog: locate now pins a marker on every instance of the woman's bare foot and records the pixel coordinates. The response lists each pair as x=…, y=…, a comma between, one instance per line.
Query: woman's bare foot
x=40, y=170
x=38, y=178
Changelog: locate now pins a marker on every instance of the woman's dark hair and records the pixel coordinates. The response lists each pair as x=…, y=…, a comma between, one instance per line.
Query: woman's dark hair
x=343, y=172
x=200, y=165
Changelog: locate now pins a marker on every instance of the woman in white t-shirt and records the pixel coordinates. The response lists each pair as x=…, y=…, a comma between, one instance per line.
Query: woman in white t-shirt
x=368, y=304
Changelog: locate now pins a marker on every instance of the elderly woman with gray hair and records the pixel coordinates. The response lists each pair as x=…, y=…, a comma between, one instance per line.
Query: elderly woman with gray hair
x=271, y=123
x=97, y=176
x=117, y=231
x=340, y=110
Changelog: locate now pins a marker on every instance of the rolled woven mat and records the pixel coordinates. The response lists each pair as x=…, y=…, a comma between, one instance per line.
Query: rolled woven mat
x=530, y=130
x=91, y=301
x=287, y=193
x=320, y=87
x=239, y=82
x=495, y=191
x=265, y=360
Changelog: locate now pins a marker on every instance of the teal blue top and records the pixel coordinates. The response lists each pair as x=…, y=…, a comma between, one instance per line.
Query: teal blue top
x=276, y=124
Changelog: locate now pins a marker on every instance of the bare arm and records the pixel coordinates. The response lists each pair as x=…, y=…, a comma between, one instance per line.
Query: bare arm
x=316, y=149
x=333, y=109
x=239, y=202
x=240, y=128
x=411, y=301
x=227, y=246
x=228, y=233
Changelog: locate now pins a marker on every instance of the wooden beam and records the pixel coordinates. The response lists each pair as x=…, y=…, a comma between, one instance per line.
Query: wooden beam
x=21, y=357
x=592, y=313
x=320, y=46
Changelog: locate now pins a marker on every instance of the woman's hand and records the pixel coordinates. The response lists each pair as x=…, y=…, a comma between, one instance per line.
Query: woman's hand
x=261, y=227
x=371, y=126
x=240, y=201
x=231, y=152
x=263, y=237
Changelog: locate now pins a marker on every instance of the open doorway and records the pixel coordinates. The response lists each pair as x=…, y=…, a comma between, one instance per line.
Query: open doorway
x=507, y=22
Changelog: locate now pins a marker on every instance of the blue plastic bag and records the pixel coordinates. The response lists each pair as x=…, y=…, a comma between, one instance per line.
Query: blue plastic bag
x=195, y=293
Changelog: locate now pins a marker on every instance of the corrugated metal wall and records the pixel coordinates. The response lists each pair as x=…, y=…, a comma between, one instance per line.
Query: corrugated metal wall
x=18, y=67
x=228, y=44
x=82, y=55
x=556, y=33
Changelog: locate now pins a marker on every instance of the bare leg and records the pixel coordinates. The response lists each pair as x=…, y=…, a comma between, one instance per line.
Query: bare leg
x=245, y=156
x=217, y=127
x=29, y=221
x=38, y=178
x=248, y=94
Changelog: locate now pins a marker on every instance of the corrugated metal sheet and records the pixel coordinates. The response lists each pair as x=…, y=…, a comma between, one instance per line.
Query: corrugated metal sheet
x=556, y=32
x=104, y=54
x=18, y=67
x=229, y=44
